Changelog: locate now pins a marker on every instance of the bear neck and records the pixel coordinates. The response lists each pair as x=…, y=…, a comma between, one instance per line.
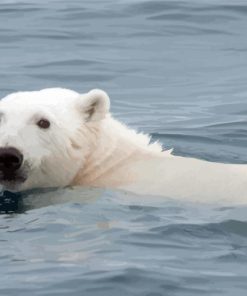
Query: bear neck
x=114, y=149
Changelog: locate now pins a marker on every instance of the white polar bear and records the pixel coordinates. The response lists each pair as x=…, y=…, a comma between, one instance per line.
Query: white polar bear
x=58, y=137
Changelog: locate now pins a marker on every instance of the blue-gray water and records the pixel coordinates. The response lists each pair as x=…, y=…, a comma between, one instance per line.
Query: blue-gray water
x=175, y=69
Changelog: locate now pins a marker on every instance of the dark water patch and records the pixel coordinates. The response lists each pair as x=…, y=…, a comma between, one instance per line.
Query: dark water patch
x=191, y=18
x=88, y=15
x=193, y=138
x=239, y=9
x=147, y=7
x=59, y=35
x=188, y=230
x=234, y=227
x=9, y=202
x=71, y=9
x=232, y=257
x=18, y=10
x=191, y=30
x=64, y=63
x=229, y=125
x=48, y=36
x=54, y=77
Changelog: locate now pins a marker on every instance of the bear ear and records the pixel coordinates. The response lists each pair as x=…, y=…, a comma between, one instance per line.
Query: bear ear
x=95, y=105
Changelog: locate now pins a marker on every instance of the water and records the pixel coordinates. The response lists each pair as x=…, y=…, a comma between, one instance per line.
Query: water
x=174, y=69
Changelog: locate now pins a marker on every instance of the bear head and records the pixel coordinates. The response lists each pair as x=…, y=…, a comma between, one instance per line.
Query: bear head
x=46, y=136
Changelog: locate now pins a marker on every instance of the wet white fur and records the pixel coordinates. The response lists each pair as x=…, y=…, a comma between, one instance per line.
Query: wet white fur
x=86, y=146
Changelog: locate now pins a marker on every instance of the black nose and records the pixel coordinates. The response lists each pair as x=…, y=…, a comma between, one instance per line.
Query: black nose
x=10, y=159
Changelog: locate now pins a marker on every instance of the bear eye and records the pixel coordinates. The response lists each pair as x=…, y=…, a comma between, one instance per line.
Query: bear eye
x=43, y=123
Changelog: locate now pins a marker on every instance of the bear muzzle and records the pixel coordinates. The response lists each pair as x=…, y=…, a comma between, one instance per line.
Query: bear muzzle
x=11, y=161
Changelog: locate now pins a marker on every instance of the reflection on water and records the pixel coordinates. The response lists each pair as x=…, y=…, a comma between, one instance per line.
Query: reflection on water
x=20, y=202
x=10, y=202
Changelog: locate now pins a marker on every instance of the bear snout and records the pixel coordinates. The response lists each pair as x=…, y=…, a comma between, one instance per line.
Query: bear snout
x=10, y=160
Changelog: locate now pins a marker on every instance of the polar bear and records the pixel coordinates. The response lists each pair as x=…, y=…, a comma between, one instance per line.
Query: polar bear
x=57, y=137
